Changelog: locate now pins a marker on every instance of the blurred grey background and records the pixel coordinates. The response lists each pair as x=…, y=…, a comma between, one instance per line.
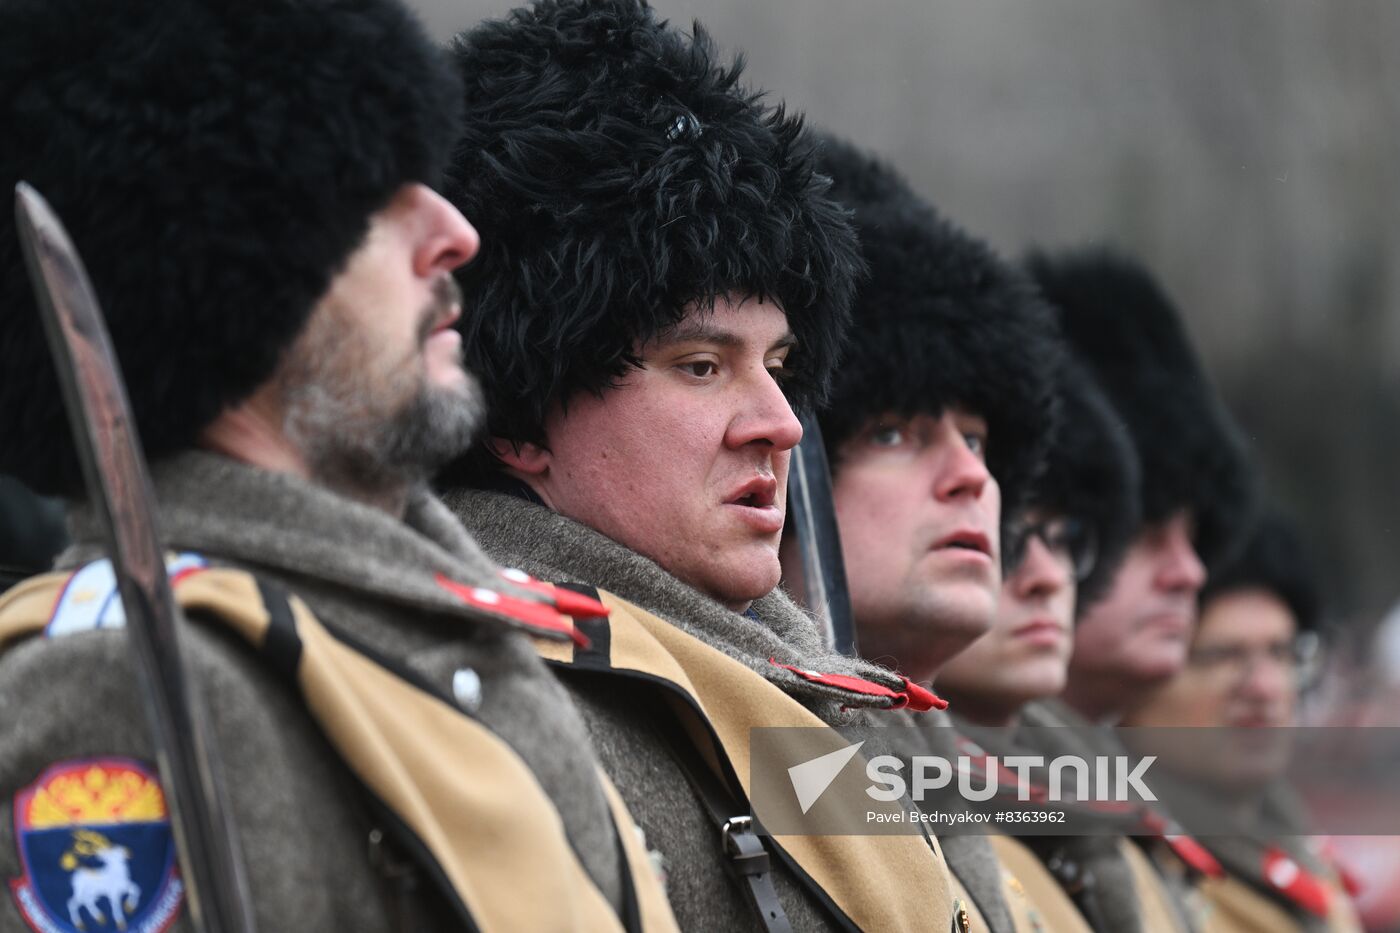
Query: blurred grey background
x=1249, y=152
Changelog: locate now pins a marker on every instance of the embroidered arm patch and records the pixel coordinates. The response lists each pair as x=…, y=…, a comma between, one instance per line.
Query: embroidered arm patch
x=90, y=600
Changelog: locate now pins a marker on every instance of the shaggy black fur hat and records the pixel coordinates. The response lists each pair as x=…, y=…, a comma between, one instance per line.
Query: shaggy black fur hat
x=215, y=163
x=1092, y=473
x=1126, y=330
x=618, y=172
x=1272, y=558
x=940, y=321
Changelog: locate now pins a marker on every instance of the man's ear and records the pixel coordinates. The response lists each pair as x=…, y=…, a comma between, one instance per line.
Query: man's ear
x=522, y=457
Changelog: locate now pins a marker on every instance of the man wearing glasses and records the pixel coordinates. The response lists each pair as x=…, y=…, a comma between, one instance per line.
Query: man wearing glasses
x=1250, y=657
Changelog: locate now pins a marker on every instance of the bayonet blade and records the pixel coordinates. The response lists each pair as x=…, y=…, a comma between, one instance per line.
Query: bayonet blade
x=813, y=515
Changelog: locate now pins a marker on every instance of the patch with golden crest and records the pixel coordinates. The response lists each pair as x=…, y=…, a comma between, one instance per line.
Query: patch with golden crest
x=96, y=848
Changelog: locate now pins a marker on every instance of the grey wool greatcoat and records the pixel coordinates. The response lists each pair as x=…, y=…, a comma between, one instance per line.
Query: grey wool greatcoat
x=521, y=533
x=303, y=824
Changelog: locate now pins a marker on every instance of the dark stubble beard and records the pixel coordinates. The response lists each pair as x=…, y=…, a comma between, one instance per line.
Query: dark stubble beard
x=368, y=427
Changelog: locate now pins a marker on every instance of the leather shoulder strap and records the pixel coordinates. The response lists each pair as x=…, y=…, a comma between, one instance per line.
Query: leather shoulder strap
x=866, y=881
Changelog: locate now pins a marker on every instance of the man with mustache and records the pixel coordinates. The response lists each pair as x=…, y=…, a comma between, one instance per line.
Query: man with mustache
x=250, y=190
x=662, y=282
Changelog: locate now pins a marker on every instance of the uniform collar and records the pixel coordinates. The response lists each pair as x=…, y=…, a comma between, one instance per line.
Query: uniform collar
x=548, y=545
x=258, y=519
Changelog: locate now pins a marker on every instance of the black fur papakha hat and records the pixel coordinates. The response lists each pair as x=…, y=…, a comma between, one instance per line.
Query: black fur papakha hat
x=618, y=172
x=1273, y=558
x=1092, y=474
x=216, y=164
x=940, y=321
x=1125, y=329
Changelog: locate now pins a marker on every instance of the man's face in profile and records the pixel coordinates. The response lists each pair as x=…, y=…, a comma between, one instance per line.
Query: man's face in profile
x=1025, y=655
x=374, y=386
x=686, y=459
x=919, y=515
x=1141, y=630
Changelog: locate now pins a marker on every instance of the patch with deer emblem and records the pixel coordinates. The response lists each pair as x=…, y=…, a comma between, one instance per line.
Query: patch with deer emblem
x=97, y=851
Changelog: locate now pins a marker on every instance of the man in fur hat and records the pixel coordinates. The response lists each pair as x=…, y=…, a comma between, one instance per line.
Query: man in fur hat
x=939, y=419
x=1196, y=484
x=1197, y=497
x=1063, y=550
x=662, y=281
x=1260, y=615
x=1259, y=619
x=250, y=192
x=940, y=416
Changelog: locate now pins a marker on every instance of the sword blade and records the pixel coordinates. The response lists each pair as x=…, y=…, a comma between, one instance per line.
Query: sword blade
x=119, y=489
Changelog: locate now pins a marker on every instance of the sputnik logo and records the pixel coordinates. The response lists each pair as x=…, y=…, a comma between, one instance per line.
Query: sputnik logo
x=811, y=778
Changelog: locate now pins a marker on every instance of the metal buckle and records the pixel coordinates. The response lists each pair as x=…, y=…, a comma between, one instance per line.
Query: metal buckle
x=735, y=824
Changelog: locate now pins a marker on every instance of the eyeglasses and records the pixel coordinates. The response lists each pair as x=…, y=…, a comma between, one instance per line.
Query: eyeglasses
x=1073, y=543
x=1300, y=658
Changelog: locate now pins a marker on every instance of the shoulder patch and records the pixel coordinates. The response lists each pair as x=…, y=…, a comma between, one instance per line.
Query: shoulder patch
x=914, y=697
x=89, y=600
x=547, y=619
x=96, y=849
x=568, y=602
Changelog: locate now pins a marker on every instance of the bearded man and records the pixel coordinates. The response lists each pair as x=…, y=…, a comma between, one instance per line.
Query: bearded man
x=250, y=189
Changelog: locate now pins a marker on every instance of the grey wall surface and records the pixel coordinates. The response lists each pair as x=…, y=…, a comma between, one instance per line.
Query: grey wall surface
x=1248, y=151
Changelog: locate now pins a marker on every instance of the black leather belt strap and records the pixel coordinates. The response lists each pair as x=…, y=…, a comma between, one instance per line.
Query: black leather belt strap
x=1074, y=877
x=747, y=859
